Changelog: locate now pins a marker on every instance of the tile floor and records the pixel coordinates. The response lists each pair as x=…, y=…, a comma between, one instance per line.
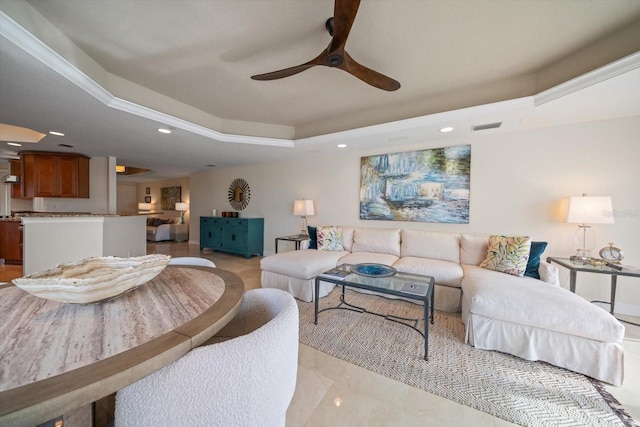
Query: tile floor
x=331, y=392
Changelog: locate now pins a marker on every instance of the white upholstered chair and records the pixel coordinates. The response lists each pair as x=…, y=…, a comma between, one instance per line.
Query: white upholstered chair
x=247, y=380
x=192, y=260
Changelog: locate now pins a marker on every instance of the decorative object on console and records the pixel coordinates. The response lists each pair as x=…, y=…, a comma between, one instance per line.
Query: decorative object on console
x=144, y=207
x=611, y=253
x=182, y=207
x=507, y=254
x=426, y=186
x=303, y=208
x=239, y=194
x=93, y=279
x=169, y=196
x=586, y=210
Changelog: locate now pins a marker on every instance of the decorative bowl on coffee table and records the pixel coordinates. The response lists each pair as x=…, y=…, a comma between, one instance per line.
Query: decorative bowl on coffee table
x=374, y=270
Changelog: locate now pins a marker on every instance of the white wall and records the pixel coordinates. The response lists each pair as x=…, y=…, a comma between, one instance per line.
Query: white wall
x=127, y=197
x=519, y=185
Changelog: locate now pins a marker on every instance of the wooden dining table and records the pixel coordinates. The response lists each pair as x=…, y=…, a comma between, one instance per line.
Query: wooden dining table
x=57, y=357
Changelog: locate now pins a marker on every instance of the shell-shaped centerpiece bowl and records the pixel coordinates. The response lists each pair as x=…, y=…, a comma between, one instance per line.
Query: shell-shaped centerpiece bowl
x=93, y=279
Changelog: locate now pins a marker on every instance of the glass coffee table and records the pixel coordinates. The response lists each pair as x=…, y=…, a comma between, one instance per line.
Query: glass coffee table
x=384, y=280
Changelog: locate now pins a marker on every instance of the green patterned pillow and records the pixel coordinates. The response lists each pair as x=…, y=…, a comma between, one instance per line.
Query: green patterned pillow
x=507, y=254
x=329, y=238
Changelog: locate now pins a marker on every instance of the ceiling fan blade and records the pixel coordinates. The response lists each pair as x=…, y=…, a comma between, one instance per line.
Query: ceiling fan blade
x=286, y=72
x=344, y=13
x=367, y=75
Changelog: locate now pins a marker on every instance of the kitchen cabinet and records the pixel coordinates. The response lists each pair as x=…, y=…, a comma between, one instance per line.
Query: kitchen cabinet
x=11, y=242
x=16, y=192
x=243, y=236
x=54, y=175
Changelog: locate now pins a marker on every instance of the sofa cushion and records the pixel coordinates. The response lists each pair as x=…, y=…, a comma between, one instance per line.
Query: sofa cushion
x=443, y=272
x=329, y=238
x=379, y=240
x=507, y=254
x=368, y=257
x=473, y=248
x=304, y=264
x=531, y=302
x=313, y=244
x=347, y=238
x=432, y=245
x=533, y=265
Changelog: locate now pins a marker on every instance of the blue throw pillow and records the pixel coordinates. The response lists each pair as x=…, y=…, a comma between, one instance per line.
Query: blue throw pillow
x=537, y=248
x=313, y=236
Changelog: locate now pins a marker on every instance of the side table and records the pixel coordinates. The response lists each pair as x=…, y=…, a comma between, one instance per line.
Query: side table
x=574, y=267
x=295, y=238
x=179, y=232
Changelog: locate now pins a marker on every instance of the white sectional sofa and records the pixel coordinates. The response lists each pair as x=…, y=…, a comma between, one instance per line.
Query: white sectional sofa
x=531, y=318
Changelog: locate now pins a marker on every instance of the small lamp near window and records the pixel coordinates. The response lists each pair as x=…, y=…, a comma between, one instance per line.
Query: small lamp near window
x=144, y=207
x=303, y=208
x=182, y=207
x=583, y=211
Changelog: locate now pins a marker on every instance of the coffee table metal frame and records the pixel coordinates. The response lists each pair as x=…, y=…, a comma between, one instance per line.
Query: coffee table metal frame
x=390, y=285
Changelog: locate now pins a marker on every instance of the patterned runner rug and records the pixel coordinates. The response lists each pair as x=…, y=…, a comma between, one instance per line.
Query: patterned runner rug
x=516, y=390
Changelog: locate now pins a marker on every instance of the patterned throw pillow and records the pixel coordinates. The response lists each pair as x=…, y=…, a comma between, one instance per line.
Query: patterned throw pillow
x=329, y=238
x=507, y=254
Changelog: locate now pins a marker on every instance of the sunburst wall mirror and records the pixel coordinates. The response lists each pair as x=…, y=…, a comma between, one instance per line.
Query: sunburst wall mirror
x=239, y=194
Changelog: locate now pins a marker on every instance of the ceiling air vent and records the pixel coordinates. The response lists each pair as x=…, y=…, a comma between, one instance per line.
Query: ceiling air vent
x=486, y=126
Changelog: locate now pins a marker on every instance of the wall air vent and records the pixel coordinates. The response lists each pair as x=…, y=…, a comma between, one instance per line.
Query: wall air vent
x=65, y=145
x=486, y=126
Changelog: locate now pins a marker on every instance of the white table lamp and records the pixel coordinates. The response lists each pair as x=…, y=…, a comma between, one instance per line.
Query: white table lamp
x=144, y=207
x=182, y=207
x=583, y=211
x=303, y=208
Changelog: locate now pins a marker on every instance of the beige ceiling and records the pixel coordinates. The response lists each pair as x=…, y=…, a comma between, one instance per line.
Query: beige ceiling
x=193, y=59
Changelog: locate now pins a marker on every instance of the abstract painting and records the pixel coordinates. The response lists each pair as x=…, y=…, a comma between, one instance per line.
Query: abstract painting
x=169, y=196
x=425, y=186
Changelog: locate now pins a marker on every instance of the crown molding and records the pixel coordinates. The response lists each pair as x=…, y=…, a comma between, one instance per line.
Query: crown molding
x=606, y=72
x=19, y=36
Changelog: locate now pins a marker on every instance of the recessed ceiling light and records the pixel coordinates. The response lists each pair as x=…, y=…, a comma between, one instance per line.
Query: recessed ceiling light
x=164, y=130
x=53, y=132
x=446, y=129
x=15, y=144
x=342, y=145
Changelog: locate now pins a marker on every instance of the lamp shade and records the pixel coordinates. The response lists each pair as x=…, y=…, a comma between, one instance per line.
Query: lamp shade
x=590, y=210
x=181, y=206
x=144, y=206
x=303, y=207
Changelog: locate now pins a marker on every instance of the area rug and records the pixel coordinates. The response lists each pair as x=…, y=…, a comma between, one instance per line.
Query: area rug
x=516, y=390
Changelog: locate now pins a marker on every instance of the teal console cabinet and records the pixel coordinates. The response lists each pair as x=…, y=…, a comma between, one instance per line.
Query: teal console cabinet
x=243, y=236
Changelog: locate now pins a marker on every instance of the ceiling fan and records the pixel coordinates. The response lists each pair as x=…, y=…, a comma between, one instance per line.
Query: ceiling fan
x=335, y=55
